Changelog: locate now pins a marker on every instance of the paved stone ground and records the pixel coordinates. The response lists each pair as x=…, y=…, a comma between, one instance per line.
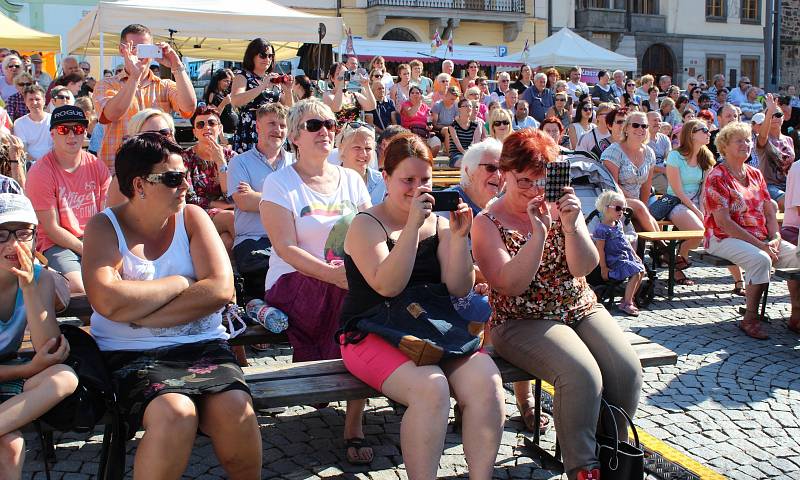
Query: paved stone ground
x=731, y=403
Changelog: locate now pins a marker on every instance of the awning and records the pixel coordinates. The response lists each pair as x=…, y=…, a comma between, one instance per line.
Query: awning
x=566, y=48
x=19, y=37
x=394, y=51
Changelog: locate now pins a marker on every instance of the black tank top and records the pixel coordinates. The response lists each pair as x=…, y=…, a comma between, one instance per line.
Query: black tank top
x=361, y=297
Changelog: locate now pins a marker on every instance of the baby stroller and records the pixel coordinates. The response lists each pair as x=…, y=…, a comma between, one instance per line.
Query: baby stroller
x=589, y=178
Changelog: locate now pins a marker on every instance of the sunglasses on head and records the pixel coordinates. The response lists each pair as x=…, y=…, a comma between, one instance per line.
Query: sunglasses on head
x=21, y=234
x=643, y=126
x=490, y=167
x=171, y=179
x=355, y=125
x=619, y=208
x=778, y=115
x=264, y=55
x=23, y=85
x=65, y=129
x=315, y=125
x=701, y=129
x=200, y=124
x=497, y=123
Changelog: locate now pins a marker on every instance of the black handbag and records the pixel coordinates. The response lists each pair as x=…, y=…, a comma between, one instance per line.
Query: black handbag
x=662, y=207
x=619, y=460
x=423, y=324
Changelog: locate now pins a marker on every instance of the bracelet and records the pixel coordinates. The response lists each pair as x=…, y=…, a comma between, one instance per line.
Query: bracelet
x=567, y=232
x=178, y=68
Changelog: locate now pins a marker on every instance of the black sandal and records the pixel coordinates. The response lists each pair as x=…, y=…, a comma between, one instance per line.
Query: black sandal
x=737, y=290
x=356, y=444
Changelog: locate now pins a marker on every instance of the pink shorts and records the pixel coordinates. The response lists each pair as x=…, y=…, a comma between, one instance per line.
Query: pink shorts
x=372, y=360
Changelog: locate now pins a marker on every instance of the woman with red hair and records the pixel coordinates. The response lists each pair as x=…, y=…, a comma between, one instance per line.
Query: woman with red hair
x=535, y=255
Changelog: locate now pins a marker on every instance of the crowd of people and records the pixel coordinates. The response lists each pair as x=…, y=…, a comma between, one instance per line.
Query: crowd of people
x=320, y=198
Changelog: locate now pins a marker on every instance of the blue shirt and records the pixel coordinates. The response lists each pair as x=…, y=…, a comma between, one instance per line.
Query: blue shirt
x=539, y=102
x=252, y=168
x=382, y=115
x=12, y=329
x=375, y=186
x=97, y=138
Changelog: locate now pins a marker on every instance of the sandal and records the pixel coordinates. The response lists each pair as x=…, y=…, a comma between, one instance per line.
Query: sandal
x=629, y=309
x=529, y=416
x=682, y=263
x=737, y=290
x=684, y=280
x=357, y=444
x=753, y=329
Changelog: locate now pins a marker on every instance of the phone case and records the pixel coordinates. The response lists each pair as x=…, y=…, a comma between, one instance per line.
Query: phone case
x=557, y=178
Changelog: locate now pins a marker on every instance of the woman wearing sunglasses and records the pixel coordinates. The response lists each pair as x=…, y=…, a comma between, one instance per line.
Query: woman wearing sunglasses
x=158, y=277
x=15, y=105
x=306, y=209
x=378, y=63
x=500, y=121
x=253, y=86
x=775, y=151
x=535, y=255
x=207, y=167
x=630, y=162
x=581, y=123
x=686, y=169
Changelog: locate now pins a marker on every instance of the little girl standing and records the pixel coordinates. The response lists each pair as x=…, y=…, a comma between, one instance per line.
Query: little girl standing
x=618, y=261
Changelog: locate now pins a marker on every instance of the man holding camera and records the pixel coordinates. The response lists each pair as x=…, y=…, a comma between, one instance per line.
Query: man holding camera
x=120, y=97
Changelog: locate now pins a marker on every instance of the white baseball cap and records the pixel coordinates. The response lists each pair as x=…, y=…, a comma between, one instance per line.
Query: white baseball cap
x=758, y=118
x=16, y=208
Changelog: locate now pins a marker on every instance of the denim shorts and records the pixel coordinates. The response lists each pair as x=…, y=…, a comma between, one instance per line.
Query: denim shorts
x=776, y=192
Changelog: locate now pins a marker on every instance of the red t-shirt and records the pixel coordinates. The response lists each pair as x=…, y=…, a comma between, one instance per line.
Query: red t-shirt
x=746, y=204
x=76, y=195
x=418, y=120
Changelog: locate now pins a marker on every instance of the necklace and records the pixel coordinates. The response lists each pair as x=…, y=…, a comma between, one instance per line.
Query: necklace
x=740, y=176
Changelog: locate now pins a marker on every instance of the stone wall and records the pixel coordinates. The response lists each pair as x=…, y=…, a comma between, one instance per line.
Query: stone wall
x=790, y=43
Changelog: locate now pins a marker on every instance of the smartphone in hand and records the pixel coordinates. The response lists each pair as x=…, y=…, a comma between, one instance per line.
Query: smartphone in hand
x=146, y=50
x=557, y=177
x=444, y=201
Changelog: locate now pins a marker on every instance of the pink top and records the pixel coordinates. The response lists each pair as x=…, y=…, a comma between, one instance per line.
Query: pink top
x=418, y=120
x=76, y=196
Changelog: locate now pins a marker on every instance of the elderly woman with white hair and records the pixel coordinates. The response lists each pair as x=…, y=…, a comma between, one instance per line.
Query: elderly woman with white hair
x=357, y=151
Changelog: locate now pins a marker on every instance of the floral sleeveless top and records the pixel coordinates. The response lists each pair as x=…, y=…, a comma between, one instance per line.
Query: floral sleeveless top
x=554, y=294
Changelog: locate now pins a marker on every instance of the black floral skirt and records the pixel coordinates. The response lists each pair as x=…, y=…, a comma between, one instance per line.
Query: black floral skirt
x=193, y=370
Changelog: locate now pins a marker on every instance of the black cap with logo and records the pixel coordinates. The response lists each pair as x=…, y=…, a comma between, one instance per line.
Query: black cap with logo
x=67, y=114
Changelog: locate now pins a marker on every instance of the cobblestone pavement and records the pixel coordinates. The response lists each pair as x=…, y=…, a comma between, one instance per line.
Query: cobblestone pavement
x=731, y=402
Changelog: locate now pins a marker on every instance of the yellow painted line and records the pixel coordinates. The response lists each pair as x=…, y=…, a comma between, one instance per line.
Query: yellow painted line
x=666, y=451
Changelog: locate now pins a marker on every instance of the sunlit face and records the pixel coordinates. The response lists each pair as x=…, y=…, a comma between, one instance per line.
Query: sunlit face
x=653, y=121
x=636, y=129
x=486, y=178
x=416, y=71
x=554, y=132
x=619, y=78
x=8, y=249
x=415, y=95
x=136, y=39
x=512, y=96
x=526, y=72
x=69, y=144
x=12, y=69
x=472, y=69
x=314, y=143
x=701, y=135
x=540, y=82
x=357, y=150
x=689, y=115
x=156, y=193
x=524, y=186
x=404, y=74
x=34, y=102
x=271, y=129
x=352, y=63
x=615, y=210
x=521, y=110
x=207, y=128
x=263, y=60
x=406, y=179
x=379, y=90
x=448, y=68
x=727, y=116
x=378, y=63
x=575, y=76
x=738, y=148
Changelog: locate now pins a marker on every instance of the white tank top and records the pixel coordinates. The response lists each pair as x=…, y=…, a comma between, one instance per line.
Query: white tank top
x=579, y=131
x=176, y=260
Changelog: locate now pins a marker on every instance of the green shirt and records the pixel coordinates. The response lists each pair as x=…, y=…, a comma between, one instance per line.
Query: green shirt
x=691, y=177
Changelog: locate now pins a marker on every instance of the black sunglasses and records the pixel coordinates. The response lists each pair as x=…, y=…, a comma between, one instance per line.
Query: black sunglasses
x=315, y=125
x=625, y=210
x=23, y=85
x=701, y=129
x=171, y=179
x=202, y=123
x=643, y=126
x=14, y=66
x=264, y=55
x=497, y=123
x=491, y=168
x=21, y=234
x=778, y=115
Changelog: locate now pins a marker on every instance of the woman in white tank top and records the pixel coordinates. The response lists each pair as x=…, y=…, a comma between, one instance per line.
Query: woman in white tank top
x=157, y=276
x=581, y=124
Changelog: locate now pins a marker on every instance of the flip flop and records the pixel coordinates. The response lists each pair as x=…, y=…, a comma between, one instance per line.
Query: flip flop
x=629, y=309
x=529, y=416
x=357, y=444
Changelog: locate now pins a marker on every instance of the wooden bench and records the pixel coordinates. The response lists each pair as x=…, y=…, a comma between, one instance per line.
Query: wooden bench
x=715, y=261
x=672, y=238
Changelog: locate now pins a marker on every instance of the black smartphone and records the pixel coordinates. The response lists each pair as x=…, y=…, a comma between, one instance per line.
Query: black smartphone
x=444, y=201
x=557, y=177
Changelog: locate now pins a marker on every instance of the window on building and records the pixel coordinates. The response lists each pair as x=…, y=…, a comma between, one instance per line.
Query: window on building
x=716, y=10
x=751, y=11
x=595, y=4
x=714, y=65
x=645, y=7
x=750, y=69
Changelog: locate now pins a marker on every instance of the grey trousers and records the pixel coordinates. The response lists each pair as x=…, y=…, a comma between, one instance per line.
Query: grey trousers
x=583, y=363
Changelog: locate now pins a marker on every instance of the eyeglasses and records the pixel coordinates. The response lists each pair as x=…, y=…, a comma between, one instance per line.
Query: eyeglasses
x=62, y=97
x=619, y=208
x=777, y=115
x=15, y=66
x=643, y=126
x=701, y=129
x=23, y=85
x=21, y=234
x=65, y=129
x=170, y=179
x=315, y=125
x=264, y=56
x=164, y=131
x=87, y=69
x=526, y=183
x=202, y=123
x=490, y=167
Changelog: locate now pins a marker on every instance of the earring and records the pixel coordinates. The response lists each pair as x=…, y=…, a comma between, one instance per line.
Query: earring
x=141, y=194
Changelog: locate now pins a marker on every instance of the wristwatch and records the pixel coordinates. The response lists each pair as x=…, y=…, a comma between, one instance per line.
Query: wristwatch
x=223, y=168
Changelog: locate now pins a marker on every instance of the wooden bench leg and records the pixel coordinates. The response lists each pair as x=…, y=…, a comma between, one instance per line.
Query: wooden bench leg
x=548, y=460
x=241, y=356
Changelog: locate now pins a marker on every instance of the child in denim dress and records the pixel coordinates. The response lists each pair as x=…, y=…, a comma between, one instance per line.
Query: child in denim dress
x=618, y=261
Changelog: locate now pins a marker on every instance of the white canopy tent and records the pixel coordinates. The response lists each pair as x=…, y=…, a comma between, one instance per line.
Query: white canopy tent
x=207, y=29
x=394, y=51
x=566, y=48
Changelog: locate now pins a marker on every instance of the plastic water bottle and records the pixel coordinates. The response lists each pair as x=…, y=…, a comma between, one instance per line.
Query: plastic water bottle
x=271, y=318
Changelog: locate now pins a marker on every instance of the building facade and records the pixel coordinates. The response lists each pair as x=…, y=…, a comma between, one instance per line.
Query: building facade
x=790, y=43
x=681, y=38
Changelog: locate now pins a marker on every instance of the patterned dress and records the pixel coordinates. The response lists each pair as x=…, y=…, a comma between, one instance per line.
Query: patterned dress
x=246, y=137
x=554, y=294
x=621, y=260
x=204, y=180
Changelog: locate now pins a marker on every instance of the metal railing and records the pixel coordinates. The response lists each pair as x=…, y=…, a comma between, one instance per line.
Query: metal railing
x=513, y=6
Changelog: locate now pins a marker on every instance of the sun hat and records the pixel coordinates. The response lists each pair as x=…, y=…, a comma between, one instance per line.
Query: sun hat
x=16, y=208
